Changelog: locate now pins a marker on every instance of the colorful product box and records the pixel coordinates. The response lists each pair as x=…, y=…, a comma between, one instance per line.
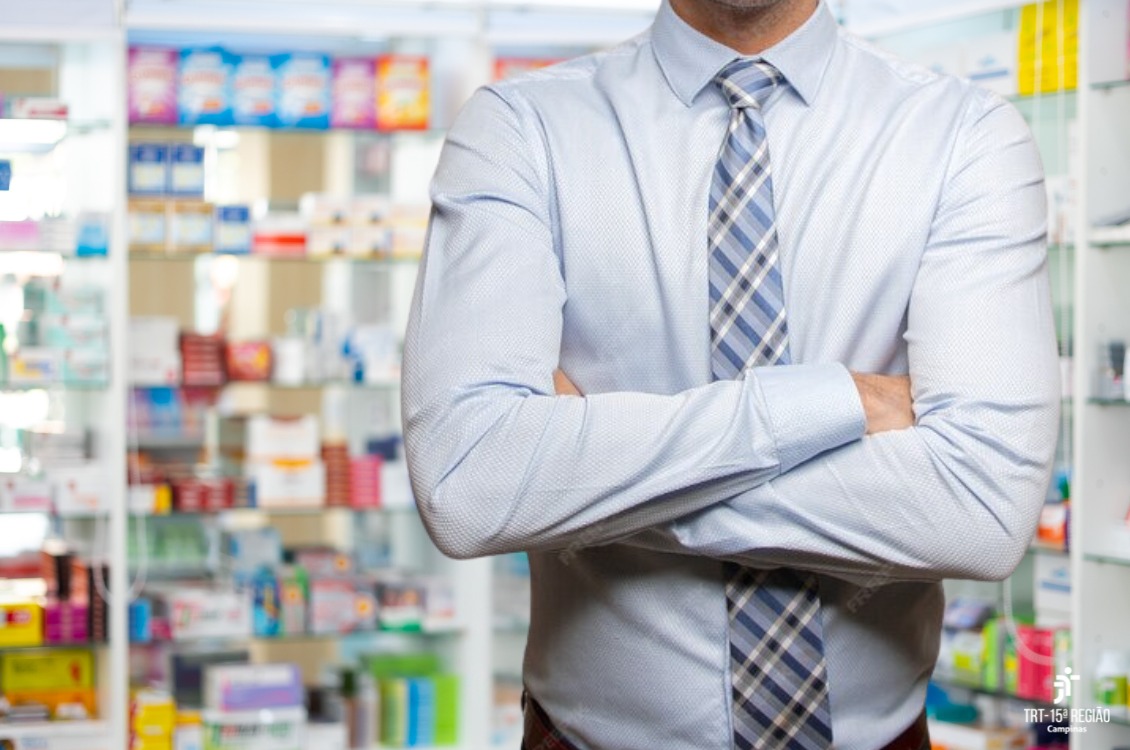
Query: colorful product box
x=5, y=174
x=403, y=92
x=283, y=729
x=148, y=226
x=323, y=562
x=66, y=622
x=190, y=227
x=293, y=607
x=21, y=494
x=233, y=230
x=153, y=85
x=35, y=366
x=59, y=669
x=198, y=613
x=148, y=168
x=203, y=495
x=253, y=91
x=1035, y=678
x=186, y=171
x=303, y=89
x=152, y=714
x=249, y=361
x=354, y=94
x=21, y=623
x=204, y=87
x=342, y=605
x=253, y=687
x=266, y=608
x=81, y=490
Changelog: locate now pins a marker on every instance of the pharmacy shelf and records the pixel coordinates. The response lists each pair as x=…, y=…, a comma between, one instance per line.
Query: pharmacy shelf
x=378, y=262
x=1109, y=237
x=377, y=385
x=1046, y=548
x=69, y=387
x=59, y=735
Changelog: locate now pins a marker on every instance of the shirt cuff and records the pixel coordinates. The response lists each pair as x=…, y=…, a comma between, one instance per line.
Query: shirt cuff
x=812, y=409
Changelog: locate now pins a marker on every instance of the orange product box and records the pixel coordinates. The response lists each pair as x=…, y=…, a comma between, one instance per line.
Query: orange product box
x=58, y=669
x=86, y=697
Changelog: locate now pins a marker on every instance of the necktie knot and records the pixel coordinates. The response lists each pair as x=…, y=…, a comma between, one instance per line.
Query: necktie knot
x=748, y=83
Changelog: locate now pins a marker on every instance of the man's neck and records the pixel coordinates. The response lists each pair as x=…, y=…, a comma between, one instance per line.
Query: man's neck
x=748, y=31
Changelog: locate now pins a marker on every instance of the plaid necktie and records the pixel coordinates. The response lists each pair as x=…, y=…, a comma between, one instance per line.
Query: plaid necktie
x=777, y=669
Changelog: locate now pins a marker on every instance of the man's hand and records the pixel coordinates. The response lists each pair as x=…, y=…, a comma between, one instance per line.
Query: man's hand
x=886, y=401
x=563, y=385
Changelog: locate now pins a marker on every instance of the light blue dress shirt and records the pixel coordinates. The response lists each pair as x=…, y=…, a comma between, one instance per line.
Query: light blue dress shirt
x=569, y=226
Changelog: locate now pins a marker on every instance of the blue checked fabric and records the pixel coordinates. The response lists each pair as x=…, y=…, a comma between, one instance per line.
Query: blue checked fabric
x=777, y=668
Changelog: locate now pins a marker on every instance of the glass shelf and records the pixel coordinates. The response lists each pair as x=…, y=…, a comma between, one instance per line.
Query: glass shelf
x=1108, y=402
x=313, y=511
x=978, y=690
x=52, y=647
x=381, y=385
x=389, y=262
x=171, y=441
x=74, y=386
x=1107, y=85
x=1107, y=559
x=447, y=629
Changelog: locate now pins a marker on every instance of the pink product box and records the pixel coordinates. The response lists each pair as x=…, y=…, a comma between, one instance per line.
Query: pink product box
x=65, y=622
x=153, y=85
x=19, y=235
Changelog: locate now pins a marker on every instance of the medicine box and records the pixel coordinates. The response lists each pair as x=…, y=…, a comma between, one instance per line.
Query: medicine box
x=252, y=687
x=286, y=484
x=342, y=605
x=233, y=230
x=282, y=729
x=186, y=171
x=148, y=168
x=148, y=226
x=273, y=437
x=58, y=669
x=21, y=494
x=81, y=490
x=199, y=613
x=190, y=227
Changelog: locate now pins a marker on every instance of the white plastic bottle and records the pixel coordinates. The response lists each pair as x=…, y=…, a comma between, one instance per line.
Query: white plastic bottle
x=1110, y=682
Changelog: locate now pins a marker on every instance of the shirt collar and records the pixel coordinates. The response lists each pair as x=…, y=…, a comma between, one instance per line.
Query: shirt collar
x=690, y=59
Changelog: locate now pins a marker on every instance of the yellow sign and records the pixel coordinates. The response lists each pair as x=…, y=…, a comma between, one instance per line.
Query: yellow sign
x=1049, y=47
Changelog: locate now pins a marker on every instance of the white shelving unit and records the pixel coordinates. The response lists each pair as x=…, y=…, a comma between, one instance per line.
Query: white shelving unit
x=86, y=49
x=1100, y=521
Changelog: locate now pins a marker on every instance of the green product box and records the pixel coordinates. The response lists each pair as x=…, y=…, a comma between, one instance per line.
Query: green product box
x=394, y=711
x=446, y=710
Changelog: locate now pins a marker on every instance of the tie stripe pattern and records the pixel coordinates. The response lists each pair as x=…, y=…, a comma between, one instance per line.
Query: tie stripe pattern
x=777, y=668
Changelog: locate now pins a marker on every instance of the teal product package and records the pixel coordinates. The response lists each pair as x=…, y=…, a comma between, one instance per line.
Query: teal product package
x=204, y=87
x=5, y=174
x=303, y=85
x=253, y=91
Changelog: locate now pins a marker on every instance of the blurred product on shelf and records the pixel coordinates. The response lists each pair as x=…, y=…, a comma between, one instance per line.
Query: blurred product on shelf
x=300, y=90
x=1111, y=676
x=61, y=337
x=84, y=235
x=56, y=684
x=34, y=108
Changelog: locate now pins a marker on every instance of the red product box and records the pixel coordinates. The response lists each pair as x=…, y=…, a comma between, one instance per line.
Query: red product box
x=193, y=495
x=249, y=361
x=365, y=482
x=1035, y=678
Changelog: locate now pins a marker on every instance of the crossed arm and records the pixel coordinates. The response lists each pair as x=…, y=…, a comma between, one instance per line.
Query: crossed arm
x=771, y=469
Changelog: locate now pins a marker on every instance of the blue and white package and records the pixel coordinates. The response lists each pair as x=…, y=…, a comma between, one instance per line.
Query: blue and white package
x=5, y=174
x=204, y=87
x=253, y=91
x=148, y=168
x=186, y=170
x=233, y=230
x=303, y=85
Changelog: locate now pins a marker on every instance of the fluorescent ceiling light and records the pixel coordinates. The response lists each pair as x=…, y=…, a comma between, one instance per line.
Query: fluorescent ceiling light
x=30, y=135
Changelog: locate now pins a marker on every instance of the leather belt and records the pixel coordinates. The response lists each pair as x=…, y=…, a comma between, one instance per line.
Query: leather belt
x=541, y=734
